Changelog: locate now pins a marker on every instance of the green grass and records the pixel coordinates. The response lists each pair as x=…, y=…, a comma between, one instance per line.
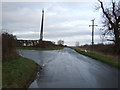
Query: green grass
x=32, y=48
x=18, y=73
x=100, y=58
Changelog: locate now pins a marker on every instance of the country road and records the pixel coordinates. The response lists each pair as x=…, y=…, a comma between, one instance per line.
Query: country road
x=66, y=68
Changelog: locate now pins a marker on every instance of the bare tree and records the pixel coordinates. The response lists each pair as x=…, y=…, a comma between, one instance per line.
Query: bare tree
x=60, y=42
x=111, y=21
x=77, y=43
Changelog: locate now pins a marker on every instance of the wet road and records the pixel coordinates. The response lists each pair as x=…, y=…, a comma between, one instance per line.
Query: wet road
x=66, y=68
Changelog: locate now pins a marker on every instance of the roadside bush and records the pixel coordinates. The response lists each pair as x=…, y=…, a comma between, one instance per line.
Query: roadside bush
x=8, y=46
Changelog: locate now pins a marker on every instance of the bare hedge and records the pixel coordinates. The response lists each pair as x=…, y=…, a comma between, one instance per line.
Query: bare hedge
x=8, y=46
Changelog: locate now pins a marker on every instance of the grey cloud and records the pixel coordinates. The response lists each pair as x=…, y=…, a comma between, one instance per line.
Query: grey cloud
x=62, y=20
x=68, y=34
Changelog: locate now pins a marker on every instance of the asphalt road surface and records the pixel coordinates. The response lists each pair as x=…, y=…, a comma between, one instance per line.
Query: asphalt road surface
x=66, y=68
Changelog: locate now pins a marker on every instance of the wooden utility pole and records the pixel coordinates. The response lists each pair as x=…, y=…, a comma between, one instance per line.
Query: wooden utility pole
x=92, y=31
x=41, y=32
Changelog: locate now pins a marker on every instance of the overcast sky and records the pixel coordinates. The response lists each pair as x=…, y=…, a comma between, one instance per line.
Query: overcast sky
x=68, y=21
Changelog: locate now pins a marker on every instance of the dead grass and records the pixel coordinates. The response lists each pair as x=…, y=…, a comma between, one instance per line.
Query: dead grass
x=106, y=58
x=111, y=56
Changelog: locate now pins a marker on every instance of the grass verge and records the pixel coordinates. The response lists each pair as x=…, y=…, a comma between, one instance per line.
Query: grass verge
x=32, y=48
x=18, y=73
x=99, y=57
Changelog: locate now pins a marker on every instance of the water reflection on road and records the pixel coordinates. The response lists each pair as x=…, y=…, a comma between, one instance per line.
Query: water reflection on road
x=66, y=68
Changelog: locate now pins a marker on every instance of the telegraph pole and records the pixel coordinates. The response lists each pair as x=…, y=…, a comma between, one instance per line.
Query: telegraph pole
x=41, y=33
x=93, y=25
